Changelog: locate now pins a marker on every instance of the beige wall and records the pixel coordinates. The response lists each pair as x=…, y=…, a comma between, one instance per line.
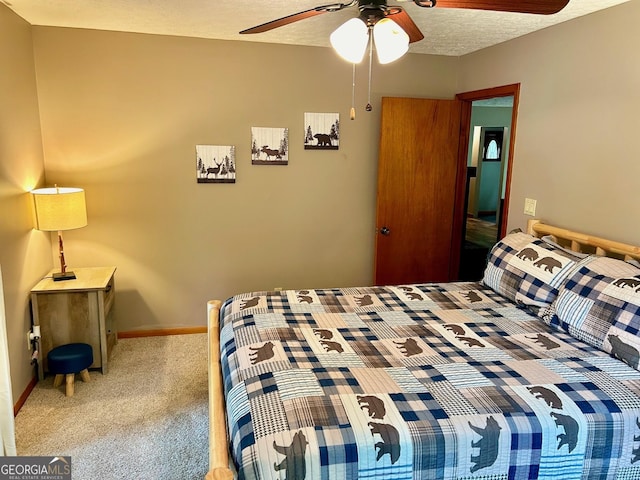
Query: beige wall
x=577, y=149
x=121, y=115
x=24, y=252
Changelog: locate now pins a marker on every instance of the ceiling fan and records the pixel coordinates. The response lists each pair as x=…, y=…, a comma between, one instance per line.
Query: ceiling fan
x=371, y=11
x=392, y=29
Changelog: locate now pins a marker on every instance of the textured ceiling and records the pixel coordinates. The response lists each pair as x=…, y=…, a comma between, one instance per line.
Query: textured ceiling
x=447, y=31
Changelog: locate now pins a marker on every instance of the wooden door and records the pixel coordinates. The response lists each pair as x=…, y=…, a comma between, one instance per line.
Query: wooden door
x=417, y=190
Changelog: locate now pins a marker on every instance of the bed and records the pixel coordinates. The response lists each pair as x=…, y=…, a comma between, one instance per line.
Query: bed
x=530, y=373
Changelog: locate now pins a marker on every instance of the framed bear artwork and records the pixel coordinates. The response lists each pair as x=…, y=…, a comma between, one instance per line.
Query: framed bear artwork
x=321, y=131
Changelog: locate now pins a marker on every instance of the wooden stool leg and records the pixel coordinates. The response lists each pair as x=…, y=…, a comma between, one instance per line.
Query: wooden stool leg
x=84, y=375
x=70, y=378
x=58, y=380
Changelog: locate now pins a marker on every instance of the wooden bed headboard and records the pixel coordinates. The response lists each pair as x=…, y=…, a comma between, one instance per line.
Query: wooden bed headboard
x=580, y=242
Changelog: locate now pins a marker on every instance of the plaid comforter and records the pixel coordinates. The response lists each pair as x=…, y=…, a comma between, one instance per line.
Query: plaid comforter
x=442, y=381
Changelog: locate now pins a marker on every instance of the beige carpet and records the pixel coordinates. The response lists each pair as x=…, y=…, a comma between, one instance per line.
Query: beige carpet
x=146, y=419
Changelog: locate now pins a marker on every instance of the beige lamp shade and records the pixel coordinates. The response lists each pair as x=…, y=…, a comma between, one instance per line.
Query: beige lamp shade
x=59, y=208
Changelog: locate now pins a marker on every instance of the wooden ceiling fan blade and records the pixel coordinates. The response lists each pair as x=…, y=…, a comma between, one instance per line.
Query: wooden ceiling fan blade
x=402, y=18
x=539, y=7
x=281, y=22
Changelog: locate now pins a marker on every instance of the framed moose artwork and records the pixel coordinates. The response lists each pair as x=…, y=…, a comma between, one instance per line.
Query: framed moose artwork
x=269, y=146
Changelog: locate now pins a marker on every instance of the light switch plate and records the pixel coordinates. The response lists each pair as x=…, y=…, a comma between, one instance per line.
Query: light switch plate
x=530, y=206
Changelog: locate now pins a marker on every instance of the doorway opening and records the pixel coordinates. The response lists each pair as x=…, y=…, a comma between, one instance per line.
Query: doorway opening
x=490, y=123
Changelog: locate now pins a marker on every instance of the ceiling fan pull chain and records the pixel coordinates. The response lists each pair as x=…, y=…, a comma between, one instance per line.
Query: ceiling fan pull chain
x=352, y=114
x=368, y=108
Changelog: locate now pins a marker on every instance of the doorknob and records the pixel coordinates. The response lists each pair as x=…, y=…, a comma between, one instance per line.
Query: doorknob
x=385, y=231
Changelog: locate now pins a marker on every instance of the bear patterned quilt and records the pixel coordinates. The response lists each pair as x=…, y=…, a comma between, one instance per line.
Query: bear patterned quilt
x=433, y=381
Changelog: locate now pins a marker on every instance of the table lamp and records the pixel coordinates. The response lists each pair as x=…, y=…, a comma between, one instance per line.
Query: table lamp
x=59, y=209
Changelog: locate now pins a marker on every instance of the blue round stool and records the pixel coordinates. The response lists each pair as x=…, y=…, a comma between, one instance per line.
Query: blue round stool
x=67, y=360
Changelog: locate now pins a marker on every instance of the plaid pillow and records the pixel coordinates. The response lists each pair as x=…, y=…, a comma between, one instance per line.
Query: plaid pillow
x=528, y=270
x=600, y=305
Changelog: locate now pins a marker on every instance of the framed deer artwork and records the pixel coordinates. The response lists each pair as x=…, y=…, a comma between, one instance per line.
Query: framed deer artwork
x=321, y=131
x=269, y=146
x=216, y=163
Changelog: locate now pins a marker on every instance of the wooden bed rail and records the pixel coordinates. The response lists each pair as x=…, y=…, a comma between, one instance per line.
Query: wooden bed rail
x=578, y=241
x=218, y=445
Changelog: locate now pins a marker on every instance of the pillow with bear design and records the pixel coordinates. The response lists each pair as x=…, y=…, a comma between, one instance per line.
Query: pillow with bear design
x=528, y=270
x=600, y=305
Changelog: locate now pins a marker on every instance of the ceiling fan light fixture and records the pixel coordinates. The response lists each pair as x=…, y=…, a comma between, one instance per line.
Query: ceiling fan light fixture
x=350, y=40
x=392, y=42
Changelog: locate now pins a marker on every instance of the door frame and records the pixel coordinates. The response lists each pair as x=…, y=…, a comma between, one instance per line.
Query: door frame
x=465, y=125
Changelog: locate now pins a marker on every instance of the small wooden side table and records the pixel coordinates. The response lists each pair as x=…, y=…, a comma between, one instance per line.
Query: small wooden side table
x=76, y=311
